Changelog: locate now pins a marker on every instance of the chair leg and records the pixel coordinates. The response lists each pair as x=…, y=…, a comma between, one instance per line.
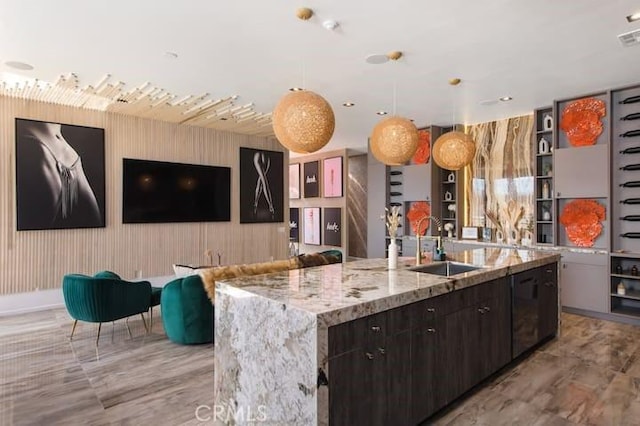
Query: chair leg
x=145, y=323
x=73, y=329
x=99, y=328
x=151, y=318
x=128, y=329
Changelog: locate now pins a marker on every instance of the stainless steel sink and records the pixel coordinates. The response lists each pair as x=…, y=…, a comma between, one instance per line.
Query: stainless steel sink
x=445, y=269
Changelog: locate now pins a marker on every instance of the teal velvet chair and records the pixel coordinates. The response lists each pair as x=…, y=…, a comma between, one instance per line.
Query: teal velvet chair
x=104, y=298
x=187, y=312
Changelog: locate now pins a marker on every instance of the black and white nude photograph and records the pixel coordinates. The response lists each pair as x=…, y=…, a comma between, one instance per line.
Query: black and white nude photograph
x=60, y=176
x=261, y=186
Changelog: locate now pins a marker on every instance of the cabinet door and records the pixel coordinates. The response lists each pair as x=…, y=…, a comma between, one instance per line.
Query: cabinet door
x=494, y=323
x=426, y=397
x=457, y=352
x=351, y=379
x=584, y=286
x=548, y=309
x=397, y=371
x=416, y=182
x=581, y=172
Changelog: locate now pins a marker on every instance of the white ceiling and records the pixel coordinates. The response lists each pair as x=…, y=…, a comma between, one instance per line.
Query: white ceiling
x=534, y=51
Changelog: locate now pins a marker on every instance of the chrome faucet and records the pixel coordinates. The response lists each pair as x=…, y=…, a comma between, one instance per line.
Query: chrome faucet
x=439, y=252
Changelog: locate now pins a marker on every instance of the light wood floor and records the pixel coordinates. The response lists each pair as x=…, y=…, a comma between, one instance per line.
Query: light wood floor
x=146, y=380
x=589, y=375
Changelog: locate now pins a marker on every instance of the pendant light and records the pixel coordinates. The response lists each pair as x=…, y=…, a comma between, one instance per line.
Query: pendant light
x=394, y=140
x=303, y=121
x=453, y=150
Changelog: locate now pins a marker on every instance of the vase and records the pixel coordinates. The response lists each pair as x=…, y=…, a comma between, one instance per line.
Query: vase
x=547, y=122
x=393, y=254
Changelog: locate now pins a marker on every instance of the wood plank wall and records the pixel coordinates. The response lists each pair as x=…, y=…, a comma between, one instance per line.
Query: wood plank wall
x=32, y=260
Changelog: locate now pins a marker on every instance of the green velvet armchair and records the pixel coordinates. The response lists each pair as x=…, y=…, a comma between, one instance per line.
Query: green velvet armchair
x=187, y=313
x=103, y=298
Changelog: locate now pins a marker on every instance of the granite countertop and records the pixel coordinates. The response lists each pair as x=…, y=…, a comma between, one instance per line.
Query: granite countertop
x=345, y=291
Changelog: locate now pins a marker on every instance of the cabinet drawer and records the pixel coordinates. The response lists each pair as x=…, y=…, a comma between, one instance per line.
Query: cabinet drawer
x=368, y=331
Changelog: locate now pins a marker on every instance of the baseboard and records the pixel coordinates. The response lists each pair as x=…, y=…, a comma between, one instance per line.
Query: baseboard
x=604, y=316
x=21, y=303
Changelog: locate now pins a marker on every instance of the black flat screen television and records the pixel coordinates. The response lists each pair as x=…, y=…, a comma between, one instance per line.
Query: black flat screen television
x=161, y=192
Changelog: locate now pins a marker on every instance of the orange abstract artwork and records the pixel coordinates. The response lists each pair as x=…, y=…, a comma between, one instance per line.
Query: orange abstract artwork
x=424, y=148
x=581, y=121
x=581, y=220
x=419, y=213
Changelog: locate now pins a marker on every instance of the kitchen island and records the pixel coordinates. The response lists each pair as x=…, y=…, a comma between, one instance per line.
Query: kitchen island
x=356, y=343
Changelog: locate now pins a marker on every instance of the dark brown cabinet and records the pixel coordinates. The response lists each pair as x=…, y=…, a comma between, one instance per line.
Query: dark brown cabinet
x=403, y=365
x=369, y=377
x=548, y=307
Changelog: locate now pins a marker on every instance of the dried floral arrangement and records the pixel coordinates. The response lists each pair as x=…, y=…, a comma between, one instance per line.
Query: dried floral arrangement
x=392, y=220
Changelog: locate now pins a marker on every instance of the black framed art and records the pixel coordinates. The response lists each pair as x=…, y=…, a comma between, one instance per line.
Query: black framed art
x=332, y=219
x=294, y=224
x=294, y=181
x=60, y=176
x=312, y=226
x=332, y=177
x=261, y=186
x=311, y=180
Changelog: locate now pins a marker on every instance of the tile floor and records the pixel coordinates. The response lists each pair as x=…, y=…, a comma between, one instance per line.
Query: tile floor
x=590, y=375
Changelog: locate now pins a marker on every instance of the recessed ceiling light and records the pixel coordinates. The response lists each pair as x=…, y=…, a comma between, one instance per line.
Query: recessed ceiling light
x=382, y=112
x=634, y=17
x=506, y=98
x=171, y=55
x=348, y=104
x=377, y=58
x=296, y=89
x=19, y=65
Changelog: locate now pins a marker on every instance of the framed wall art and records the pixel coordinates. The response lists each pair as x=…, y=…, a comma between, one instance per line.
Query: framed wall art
x=332, y=219
x=60, y=180
x=312, y=226
x=294, y=224
x=294, y=181
x=261, y=186
x=332, y=177
x=311, y=180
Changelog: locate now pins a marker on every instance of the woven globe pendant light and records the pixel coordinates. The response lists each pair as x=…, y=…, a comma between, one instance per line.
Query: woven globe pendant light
x=394, y=140
x=453, y=150
x=303, y=121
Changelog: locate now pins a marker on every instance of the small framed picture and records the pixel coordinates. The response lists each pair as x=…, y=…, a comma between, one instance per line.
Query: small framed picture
x=294, y=181
x=333, y=226
x=312, y=227
x=487, y=234
x=294, y=220
x=332, y=177
x=311, y=180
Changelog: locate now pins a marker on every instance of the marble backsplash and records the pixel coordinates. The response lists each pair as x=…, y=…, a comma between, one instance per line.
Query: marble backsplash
x=501, y=186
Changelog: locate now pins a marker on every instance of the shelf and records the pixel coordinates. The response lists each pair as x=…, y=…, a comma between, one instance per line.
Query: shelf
x=544, y=244
x=544, y=177
x=626, y=254
x=631, y=294
x=449, y=183
x=545, y=222
x=542, y=132
x=448, y=201
x=625, y=276
x=544, y=154
x=448, y=218
x=623, y=310
x=544, y=199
